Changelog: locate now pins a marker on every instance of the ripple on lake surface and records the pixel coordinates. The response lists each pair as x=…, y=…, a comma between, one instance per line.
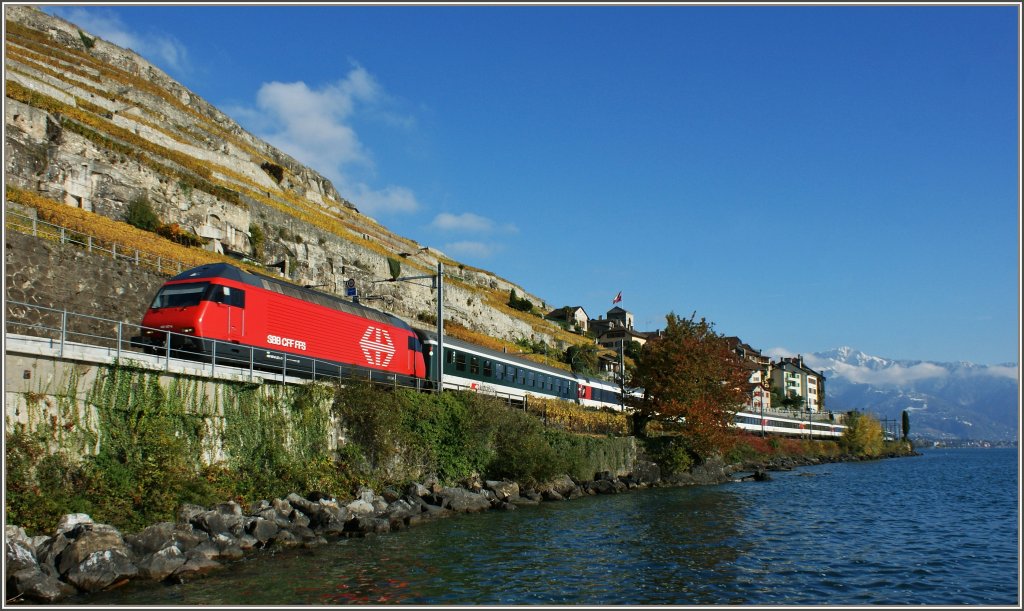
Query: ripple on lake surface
x=938, y=529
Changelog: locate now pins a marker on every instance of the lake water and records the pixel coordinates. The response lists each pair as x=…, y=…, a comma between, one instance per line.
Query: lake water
x=936, y=529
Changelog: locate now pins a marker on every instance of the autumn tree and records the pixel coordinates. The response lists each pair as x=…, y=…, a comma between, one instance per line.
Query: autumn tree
x=690, y=376
x=863, y=435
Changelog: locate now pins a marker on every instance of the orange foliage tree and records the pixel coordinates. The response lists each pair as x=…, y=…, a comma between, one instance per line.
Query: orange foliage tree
x=690, y=377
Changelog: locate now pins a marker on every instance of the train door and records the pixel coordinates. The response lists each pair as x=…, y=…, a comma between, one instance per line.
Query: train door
x=232, y=301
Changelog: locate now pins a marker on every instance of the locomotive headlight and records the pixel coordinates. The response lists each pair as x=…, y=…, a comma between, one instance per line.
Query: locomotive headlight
x=188, y=330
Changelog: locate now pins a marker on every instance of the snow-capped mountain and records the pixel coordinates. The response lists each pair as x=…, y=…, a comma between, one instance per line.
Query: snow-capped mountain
x=945, y=400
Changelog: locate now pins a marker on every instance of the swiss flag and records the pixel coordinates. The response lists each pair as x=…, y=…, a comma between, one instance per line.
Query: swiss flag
x=618, y=298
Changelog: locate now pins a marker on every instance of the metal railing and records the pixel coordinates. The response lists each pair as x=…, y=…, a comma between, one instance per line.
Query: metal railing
x=68, y=335
x=57, y=233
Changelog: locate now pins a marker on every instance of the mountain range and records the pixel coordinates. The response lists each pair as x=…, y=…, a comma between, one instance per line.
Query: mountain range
x=944, y=400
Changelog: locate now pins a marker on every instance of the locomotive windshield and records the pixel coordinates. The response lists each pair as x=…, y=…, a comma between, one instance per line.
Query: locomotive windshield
x=180, y=295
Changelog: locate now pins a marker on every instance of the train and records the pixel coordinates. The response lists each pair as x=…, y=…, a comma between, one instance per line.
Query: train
x=222, y=313
x=785, y=426
x=225, y=314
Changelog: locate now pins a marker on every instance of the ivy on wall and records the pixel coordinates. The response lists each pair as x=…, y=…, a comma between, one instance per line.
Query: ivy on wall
x=136, y=444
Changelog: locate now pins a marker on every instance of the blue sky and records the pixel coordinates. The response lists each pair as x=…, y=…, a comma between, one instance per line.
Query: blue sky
x=806, y=177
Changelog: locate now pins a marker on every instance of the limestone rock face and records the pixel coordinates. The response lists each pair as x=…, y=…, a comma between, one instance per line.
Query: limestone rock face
x=97, y=127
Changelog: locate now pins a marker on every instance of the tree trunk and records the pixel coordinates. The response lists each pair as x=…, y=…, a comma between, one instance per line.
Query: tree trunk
x=640, y=420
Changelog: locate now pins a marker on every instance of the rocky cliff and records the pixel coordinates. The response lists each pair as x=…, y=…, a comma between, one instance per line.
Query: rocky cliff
x=97, y=127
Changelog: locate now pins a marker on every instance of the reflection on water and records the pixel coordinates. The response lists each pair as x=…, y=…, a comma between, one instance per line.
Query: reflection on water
x=856, y=533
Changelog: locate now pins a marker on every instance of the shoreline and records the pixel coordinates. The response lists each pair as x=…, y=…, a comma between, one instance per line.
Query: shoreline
x=83, y=557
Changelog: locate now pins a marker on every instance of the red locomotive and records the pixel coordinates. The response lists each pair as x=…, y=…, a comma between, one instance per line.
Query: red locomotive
x=225, y=314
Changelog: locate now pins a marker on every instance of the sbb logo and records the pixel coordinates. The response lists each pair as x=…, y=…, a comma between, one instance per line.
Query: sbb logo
x=377, y=346
x=286, y=342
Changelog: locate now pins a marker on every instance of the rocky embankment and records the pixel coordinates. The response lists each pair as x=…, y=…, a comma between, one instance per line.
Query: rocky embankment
x=83, y=556
x=758, y=470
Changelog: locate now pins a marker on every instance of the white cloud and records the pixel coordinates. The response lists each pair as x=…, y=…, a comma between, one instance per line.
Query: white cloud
x=462, y=222
x=472, y=249
x=469, y=222
x=1002, y=371
x=159, y=48
x=390, y=199
x=896, y=375
x=315, y=127
x=312, y=125
x=779, y=352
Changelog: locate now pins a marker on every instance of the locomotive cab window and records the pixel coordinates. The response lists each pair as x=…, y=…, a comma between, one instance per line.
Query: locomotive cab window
x=180, y=295
x=227, y=296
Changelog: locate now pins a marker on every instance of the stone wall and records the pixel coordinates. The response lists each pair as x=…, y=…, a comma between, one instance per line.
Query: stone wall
x=61, y=277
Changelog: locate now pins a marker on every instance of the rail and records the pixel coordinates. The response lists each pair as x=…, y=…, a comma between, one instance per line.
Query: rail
x=30, y=225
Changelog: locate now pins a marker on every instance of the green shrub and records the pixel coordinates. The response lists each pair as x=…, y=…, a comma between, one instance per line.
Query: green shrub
x=141, y=214
x=521, y=451
x=403, y=435
x=519, y=303
x=670, y=452
x=88, y=42
x=257, y=239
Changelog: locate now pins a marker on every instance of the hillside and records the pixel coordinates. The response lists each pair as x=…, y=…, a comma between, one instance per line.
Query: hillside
x=96, y=127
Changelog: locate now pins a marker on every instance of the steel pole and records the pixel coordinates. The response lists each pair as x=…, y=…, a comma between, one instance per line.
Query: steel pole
x=440, y=325
x=622, y=376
